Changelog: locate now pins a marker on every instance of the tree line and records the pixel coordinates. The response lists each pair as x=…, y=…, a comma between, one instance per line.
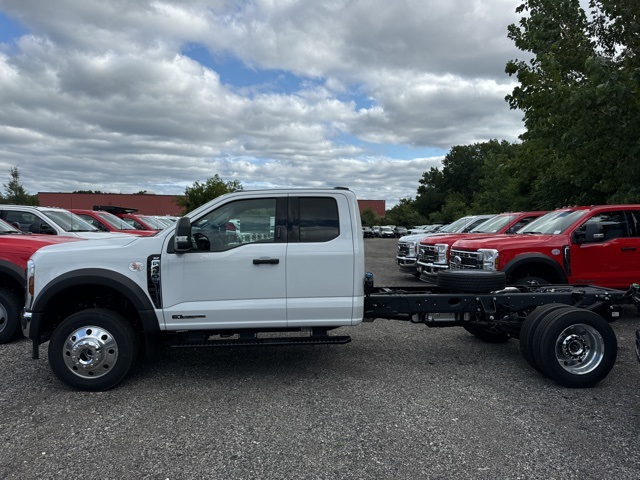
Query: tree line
x=579, y=90
x=578, y=87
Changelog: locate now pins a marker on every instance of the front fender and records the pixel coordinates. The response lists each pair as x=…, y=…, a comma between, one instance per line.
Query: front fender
x=13, y=271
x=92, y=276
x=538, y=258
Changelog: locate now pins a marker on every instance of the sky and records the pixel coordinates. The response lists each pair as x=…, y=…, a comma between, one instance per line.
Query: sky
x=128, y=95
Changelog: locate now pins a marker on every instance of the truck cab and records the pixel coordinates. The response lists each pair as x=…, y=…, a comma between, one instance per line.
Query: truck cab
x=301, y=268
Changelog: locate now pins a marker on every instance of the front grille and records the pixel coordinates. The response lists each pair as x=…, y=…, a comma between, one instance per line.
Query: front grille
x=465, y=260
x=427, y=253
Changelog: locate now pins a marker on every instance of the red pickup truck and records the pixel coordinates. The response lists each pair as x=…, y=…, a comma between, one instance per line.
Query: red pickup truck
x=15, y=249
x=108, y=222
x=433, y=252
x=598, y=245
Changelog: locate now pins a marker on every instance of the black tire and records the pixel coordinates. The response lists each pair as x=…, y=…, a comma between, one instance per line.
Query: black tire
x=529, y=328
x=575, y=347
x=10, y=306
x=93, y=350
x=488, y=335
x=471, y=281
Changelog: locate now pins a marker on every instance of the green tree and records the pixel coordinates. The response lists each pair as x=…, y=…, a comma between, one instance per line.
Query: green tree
x=15, y=193
x=503, y=185
x=432, y=192
x=369, y=217
x=459, y=186
x=581, y=100
x=455, y=206
x=404, y=214
x=201, y=193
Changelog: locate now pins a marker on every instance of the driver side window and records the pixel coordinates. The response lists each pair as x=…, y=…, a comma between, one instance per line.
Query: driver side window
x=609, y=225
x=235, y=224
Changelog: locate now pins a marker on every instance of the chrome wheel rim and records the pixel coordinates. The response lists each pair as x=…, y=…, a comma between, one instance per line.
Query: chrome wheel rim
x=579, y=349
x=4, y=317
x=90, y=352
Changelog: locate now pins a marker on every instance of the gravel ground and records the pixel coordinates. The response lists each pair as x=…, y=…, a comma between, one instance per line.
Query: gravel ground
x=400, y=401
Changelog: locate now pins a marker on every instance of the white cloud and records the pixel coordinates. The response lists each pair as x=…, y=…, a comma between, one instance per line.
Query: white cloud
x=99, y=94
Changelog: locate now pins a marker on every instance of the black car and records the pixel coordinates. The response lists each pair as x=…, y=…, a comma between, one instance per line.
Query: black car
x=367, y=232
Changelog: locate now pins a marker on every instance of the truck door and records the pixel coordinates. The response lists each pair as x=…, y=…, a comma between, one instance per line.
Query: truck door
x=610, y=256
x=235, y=274
x=320, y=261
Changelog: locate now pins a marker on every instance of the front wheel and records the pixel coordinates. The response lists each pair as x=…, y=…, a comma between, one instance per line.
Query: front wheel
x=93, y=349
x=575, y=347
x=10, y=306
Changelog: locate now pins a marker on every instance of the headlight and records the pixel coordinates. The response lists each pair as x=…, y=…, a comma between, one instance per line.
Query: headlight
x=441, y=252
x=490, y=258
x=30, y=274
x=413, y=248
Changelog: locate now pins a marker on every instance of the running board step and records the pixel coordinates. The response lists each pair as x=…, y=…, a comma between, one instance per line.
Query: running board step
x=260, y=342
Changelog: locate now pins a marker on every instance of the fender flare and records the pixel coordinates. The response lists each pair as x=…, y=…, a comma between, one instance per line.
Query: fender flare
x=14, y=272
x=521, y=260
x=127, y=287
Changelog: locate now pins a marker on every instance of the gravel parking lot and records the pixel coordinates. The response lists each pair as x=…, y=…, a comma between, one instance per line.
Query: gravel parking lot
x=400, y=401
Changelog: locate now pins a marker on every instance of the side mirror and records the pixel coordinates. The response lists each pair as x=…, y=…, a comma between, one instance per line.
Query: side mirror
x=592, y=233
x=182, y=237
x=42, y=228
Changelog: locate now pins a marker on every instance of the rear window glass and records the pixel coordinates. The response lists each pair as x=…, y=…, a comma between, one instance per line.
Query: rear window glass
x=318, y=219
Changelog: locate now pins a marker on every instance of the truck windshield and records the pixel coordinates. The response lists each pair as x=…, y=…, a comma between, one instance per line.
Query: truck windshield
x=152, y=222
x=115, y=222
x=69, y=222
x=493, y=225
x=6, y=229
x=455, y=226
x=553, y=223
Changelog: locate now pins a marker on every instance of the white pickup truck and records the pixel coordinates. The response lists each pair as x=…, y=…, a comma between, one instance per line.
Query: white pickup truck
x=299, y=275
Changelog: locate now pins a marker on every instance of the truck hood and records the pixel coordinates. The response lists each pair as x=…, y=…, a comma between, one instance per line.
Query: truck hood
x=452, y=238
x=18, y=248
x=449, y=238
x=97, y=235
x=509, y=241
x=111, y=242
x=416, y=237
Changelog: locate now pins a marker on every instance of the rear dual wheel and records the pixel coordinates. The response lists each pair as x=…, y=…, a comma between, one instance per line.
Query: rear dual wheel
x=575, y=347
x=530, y=325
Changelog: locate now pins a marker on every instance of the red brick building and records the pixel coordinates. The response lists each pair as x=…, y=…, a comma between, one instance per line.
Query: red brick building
x=146, y=204
x=149, y=204
x=378, y=206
